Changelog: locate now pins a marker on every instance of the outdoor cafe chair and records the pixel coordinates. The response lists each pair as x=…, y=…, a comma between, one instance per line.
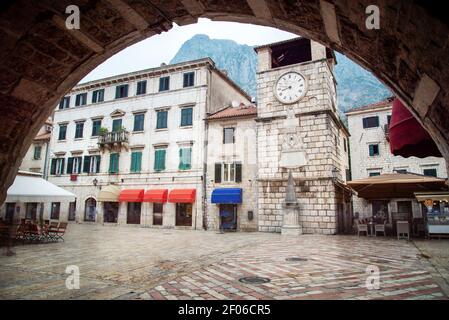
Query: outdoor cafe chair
x=362, y=228
x=52, y=231
x=62, y=227
x=403, y=229
x=380, y=228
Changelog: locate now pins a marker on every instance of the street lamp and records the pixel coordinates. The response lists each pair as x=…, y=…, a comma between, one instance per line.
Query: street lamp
x=95, y=182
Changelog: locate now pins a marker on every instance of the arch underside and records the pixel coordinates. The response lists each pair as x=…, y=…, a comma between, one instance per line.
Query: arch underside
x=42, y=59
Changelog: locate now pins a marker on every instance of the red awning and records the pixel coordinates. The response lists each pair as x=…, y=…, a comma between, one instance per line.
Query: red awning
x=182, y=196
x=131, y=195
x=407, y=137
x=156, y=196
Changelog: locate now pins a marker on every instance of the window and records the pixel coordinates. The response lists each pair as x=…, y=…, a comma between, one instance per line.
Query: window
x=74, y=165
x=389, y=119
x=57, y=166
x=164, y=84
x=228, y=172
x=345, y=146
x=159, y=159
x=374, y=174
x=62, y=132
x=81, y=99
x=371, y=122
x=136, y=161
x=79, y=130
x=55, y=210
x=121, y=91
x=98, y=96
x=189, y=79
x=228, y=135
x=141, y=87
x=373, y=150
x=185, y=158
x=114, y=163
x=139, y=120
x=96, y=125
x=91, y=164
x=162, y=119
x=37, y=152
x=186, y=117
x=116, y=125
x=402, y=171
x=65, y=103
x=430, y=172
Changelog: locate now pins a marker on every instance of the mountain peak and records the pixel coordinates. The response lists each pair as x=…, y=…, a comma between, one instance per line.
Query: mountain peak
x=356, y=86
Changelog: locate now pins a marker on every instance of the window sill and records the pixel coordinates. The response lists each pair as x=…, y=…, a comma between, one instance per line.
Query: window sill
x=78, y=139
x=94, y=137
x=65, y=140
x=186, y=127
x=138, y=132
x=161, y=129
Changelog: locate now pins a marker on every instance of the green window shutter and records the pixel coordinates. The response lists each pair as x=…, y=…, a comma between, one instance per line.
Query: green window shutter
x=136, y=161
x=156, y=160
x=117, y=92
x=86, y=164
x=181, y=163
x=113, y=163
x=69, y=166
x=159, y=162
x=188, y=158
x=238, y=172
x=218, y=173
x=53, y=167
x=97, y=169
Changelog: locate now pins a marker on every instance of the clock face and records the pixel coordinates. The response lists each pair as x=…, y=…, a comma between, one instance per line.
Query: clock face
x=290, y=87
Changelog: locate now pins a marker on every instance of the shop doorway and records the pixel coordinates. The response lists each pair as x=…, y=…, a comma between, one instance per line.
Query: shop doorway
x=31, y=211
x=110, y=212
x=9, y=216
x=55, y=210
x=72, y=211
x=228, y=217
x=134, y=210
x=90, y=210
x=184, y=214
x=158, y=209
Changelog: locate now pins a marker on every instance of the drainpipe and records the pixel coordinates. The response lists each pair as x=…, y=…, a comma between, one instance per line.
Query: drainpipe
x=47, y=155
x=206, y=134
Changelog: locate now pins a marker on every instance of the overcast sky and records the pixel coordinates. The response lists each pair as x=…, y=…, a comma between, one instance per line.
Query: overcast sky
x=162, y=48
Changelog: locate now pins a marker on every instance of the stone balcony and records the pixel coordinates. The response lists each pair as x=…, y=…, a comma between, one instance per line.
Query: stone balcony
x=114, y=141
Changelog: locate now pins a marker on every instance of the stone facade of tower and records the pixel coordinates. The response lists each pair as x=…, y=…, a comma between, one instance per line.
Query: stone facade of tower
x=323, y=199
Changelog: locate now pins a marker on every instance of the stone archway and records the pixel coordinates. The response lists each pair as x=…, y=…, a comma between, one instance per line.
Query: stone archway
x=42, y=59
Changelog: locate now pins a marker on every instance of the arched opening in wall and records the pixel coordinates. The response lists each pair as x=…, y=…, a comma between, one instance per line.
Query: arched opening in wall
x=419, y=82
x=90, y=210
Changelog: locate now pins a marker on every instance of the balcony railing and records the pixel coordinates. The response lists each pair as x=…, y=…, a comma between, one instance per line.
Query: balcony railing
x=113, y=140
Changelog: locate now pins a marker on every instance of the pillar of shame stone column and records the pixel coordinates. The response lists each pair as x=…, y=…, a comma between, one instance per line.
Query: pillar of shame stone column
x=292, y=157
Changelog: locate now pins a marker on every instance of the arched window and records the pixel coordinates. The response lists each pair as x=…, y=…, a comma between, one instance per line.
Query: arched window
x=90, y=211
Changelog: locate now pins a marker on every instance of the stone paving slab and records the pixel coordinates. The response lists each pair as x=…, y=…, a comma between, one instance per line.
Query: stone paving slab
x=139, y=263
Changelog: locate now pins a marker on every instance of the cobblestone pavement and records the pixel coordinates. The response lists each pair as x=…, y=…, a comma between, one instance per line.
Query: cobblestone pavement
x=137, y=263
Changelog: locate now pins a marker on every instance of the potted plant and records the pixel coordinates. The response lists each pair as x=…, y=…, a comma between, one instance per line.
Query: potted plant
x=103, y=131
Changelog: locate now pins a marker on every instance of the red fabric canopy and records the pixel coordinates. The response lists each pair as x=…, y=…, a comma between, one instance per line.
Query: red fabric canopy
x=156, y=196
x=131, y=195
x=182, y=196
x=407, y=137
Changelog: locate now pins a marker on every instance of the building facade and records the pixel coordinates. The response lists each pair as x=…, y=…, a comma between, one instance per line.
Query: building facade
x=131, y=147
x=36, y=158
x=296, y=83
x=231, y=183
x=371, y=156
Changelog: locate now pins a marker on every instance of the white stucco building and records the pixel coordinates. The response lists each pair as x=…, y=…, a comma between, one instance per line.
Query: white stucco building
x=371, y=156
x=131, y=147
x=231, y=181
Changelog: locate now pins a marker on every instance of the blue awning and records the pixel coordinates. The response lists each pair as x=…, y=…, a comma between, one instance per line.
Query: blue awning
x=227, y=196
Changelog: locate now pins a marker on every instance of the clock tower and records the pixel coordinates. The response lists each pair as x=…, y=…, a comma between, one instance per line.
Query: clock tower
x=299, y=130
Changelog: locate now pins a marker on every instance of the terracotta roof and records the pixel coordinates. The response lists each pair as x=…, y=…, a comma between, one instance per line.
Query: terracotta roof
x=234, y=112
x=381, y=104
x=43, y=137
